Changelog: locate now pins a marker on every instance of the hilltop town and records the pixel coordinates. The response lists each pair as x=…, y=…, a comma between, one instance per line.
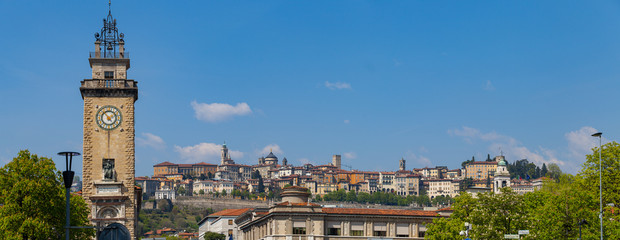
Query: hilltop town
x=270, y=174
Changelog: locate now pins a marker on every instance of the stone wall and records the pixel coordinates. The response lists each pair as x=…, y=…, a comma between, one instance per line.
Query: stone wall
x=218, y=204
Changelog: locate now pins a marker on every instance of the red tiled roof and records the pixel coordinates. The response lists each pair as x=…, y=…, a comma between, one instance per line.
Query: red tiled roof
x=164, y=164
x=445, y=209
x=366, y=211
x=185, y=165
x=204, y=164
x=483, y=163
x=231, y=212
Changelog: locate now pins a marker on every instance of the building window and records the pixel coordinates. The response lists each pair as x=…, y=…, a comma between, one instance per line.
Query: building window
x=333, y=231
x=299, y=230
x=229, y=232
x=230, y=222
x=380, y=233
x=357, y=232
x=108, y=74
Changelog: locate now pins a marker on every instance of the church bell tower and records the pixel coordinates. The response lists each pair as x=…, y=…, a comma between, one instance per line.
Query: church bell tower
x=109, y=146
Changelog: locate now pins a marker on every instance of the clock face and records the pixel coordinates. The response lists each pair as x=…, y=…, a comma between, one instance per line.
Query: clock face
x=108, y=117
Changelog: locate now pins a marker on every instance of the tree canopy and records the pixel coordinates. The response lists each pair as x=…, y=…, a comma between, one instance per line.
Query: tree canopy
x=552, y=212
x=33, y=201
x=214, y=236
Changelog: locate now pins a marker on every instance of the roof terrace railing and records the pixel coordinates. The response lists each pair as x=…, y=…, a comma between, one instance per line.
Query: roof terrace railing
x=109, y=83
x=104, y=54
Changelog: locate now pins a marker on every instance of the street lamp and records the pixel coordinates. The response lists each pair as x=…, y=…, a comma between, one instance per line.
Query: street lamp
x=67, y=177
x=600, y=177
x=582, y=222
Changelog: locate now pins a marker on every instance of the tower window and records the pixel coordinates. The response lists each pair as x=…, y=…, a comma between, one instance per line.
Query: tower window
x=108, y=74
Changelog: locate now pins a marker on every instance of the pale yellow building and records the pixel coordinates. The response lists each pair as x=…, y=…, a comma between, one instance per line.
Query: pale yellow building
x=295, y=218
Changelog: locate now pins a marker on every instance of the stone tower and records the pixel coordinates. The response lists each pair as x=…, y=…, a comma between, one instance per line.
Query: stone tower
x=336, y=161
x=401, y=164
x=225, y=155
x=502, y=176
x=109, y=147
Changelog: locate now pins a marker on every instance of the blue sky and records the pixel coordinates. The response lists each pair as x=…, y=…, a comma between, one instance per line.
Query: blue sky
x=433, y=82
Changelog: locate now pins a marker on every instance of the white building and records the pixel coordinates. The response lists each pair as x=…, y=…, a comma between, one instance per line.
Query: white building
x=445, y=187
x=165, y=193
x=222, y=222
x=502, y=177
x=206, y=186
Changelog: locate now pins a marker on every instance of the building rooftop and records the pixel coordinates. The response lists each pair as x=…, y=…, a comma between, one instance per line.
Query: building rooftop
x=367, y=211
x=231, y=212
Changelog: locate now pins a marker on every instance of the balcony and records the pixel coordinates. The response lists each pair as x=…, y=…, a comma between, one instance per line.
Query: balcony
x=104, y=54
x=109, y=83
x=109, y=88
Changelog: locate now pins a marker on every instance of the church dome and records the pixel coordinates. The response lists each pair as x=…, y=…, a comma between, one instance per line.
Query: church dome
x=271, y=156
x=502, y=162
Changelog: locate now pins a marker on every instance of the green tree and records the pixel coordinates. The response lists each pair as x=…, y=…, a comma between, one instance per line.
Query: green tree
x=554, y=211
x=181, y=191
x=363, y=197
x=554, y=171
x=449, y=228
x=497, y=214
x=588, y=180
x=201, y=192
x=261, y=185
x=543, y=171
x=214, y=236
x=351, y=196
x=444, y=229
x=255, y=175
x=33, y=201
x=317, y=198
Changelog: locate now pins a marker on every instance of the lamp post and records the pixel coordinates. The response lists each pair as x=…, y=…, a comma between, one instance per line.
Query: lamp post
x=600, y=177
x=67, y=177
x=582, y=222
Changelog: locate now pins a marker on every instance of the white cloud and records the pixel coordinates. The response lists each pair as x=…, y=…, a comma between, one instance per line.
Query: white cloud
x=512, y=148
x=581, y=142
x=350, y=155
x=489, y=86
x=418, y=159
x=275, y=148
x=337, y=85
x=151, y=140
x=216, y=112
x=347, y=121
x=207, y=152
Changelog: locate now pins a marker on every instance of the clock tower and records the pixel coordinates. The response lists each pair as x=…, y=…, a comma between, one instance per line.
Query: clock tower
x=109, y=146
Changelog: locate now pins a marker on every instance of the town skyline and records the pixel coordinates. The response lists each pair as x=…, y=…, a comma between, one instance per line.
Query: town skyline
x=373, y=82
